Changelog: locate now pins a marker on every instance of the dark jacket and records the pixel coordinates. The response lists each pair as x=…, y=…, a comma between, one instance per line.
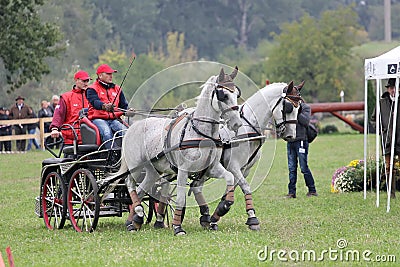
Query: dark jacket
x=24, y=113
x=386, y=122
x=303, y=119
x=33, y=125
x=4, y=129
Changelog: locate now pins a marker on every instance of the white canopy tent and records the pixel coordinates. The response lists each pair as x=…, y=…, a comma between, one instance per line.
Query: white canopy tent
x=384, y=66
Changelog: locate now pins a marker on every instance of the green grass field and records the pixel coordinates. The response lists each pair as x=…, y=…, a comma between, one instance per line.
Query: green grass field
x=290, y=228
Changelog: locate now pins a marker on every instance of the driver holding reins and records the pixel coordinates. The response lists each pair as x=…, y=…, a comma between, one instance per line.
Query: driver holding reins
x=106, y=100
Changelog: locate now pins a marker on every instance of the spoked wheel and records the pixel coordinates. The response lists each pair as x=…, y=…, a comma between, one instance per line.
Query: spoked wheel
x=54, y=199
x=150, y=208
x=172, y=204
x=83, y=201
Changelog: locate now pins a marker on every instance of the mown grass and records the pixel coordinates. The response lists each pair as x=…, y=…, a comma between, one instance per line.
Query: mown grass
x=286, y=224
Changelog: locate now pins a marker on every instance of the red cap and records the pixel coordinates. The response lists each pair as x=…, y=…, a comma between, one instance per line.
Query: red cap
x=82, y=75
x=105, y=68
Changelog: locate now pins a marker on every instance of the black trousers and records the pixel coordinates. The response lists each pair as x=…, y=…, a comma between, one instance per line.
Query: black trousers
x=5, y=144
x=20, y=129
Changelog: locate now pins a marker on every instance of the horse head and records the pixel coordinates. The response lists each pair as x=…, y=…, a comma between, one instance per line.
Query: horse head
x=224, y=99
x=286, y=110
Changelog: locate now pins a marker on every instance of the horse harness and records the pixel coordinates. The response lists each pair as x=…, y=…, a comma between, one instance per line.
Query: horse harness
x=256, y=133
x=289, y=102
x=206, y=141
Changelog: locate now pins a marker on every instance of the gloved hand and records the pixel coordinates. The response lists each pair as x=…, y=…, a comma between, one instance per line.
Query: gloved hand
x=108, y=107
x=55, y=133
x=130, y=112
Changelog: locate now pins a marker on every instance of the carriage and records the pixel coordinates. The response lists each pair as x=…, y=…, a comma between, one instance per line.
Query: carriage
x=75, y=187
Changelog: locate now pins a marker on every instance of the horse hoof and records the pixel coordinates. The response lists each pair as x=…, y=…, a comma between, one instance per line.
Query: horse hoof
x=205, y=221
x=252, y=221
x=205, y=225
x=180, y=233
x=213, y=227
x=178, y=230
x=132, y=227
x=159, y=225
x=255, y=227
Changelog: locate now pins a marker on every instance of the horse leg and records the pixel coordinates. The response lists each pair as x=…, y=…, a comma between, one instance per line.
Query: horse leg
x=180, y=202
x=135, y=218
x=252, y=220
x=197, y=189
x=162, y=204
x=229, y=197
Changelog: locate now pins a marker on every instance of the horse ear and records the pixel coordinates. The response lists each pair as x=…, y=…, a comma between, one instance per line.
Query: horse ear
x=289, y=87
x=234, y=72
x=221, y=76
x=298, y=87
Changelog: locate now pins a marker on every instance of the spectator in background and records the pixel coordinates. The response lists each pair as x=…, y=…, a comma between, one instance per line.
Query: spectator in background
x=69, y=108
x=5, y=130
x=32, y=130
x=55, y=100
x=45, y=112
x=387, y=103
x=17, y=112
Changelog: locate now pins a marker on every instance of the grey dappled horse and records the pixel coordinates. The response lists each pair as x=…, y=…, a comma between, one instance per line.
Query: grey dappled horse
x=277, y=101
x=189, y=143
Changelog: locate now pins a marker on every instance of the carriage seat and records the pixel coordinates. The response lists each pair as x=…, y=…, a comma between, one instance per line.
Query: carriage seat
x=90, y=138
x=90, y=133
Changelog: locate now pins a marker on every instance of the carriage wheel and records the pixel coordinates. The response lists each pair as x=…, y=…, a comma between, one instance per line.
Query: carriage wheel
x=150, y=208
x=54, y=199
x=172, y=204
x=83, y=201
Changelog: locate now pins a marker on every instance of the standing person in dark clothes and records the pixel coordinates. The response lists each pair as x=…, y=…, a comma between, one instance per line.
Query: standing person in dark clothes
x=387, y=102
x=45, y=112
x=297, y=151
x=20, y=111
x=5, y=130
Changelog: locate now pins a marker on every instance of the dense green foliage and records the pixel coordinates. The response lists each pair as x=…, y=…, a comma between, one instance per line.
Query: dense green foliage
x=162, y=33
x=25, y=42
x=317, y=51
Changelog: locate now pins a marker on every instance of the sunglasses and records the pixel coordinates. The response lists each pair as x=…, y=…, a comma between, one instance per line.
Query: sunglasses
x=85, y=81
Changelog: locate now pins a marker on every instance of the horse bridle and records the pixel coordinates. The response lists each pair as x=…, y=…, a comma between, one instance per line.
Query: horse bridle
x=294, y=102
x=221, y=96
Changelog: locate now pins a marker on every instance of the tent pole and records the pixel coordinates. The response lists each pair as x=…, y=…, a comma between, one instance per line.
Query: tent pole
x=365, y=135
x=377, y=138
x=396, y=103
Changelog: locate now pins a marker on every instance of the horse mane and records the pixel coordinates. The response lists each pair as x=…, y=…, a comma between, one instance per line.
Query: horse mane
x=205, y=88
x=278, y=86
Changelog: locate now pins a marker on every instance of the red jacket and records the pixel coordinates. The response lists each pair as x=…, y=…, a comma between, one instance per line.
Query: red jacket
x=106, y=95
x=71, y=103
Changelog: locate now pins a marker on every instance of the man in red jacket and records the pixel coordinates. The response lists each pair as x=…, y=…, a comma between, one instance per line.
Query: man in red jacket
x=104, y=98
x=69, y=108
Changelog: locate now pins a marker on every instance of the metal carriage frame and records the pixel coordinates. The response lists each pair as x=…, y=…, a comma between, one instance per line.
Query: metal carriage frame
x=75, y=186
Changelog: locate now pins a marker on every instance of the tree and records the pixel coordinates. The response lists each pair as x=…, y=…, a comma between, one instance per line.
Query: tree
x=317, y=51
x=25, y=42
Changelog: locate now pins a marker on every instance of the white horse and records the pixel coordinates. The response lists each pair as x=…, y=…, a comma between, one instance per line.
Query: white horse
x=189, y=143
x=277, y=101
